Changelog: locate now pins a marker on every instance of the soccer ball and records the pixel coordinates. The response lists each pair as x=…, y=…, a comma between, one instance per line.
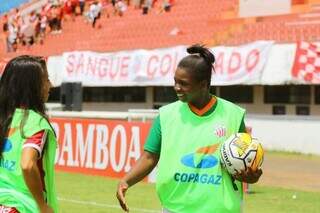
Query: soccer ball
x=241, y=151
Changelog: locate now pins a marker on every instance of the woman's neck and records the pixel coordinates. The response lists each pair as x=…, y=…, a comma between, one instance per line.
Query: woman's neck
x=202, y=101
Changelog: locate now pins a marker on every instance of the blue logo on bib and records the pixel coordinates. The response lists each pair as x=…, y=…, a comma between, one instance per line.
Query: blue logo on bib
x=7, y=146
x=202, y=158
x=206, y=162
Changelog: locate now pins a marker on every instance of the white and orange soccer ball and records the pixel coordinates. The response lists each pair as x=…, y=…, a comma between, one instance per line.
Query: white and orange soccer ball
x=241, y=151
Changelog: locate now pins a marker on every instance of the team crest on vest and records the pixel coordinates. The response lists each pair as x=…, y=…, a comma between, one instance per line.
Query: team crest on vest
x=220, y=131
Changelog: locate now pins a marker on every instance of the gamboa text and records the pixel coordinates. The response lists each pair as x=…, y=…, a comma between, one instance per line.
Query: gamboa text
x=98, y=147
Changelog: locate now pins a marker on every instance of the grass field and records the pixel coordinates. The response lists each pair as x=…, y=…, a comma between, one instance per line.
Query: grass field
x=81, y=193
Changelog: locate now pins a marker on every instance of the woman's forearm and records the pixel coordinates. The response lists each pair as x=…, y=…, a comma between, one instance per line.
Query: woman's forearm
x=32, y=176
x=142, y=168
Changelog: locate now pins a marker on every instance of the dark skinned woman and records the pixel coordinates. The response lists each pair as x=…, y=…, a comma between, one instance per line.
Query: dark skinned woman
x=184, y=141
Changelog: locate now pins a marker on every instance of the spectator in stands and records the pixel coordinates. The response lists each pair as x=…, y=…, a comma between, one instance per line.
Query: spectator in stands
x=12, y=35
x=69, y=9
x=97, y=15
x=136, y=4
x=5, y=31
x=33, y=17
x=43, y=27
x=5, y=23
x=181, y=140
x=27, y=33
x=82, y=4
x=120, y=8
x=74, y=4
x=27, y=140
x=147, y=6
x=94, y=13
x=113, y=2
x=166, y=5
x=55, y=18
x=16, y=15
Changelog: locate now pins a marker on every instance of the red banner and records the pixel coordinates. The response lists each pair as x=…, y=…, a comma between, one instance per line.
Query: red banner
x=306, y=66
x=98, y=146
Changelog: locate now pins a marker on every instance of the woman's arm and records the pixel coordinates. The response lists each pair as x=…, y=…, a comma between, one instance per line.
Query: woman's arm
x=146, y=163
x=32, y=177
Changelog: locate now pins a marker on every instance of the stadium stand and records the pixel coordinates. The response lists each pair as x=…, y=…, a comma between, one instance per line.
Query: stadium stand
x=212, y=22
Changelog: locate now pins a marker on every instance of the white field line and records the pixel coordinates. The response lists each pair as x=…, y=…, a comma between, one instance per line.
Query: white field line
x=93, y=203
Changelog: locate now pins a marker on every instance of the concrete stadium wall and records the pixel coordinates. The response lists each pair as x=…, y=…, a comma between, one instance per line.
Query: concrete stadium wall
x=287, y=133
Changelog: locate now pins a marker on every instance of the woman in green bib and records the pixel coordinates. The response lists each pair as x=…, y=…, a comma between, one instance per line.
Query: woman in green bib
x=27, y=140
x=184, y=141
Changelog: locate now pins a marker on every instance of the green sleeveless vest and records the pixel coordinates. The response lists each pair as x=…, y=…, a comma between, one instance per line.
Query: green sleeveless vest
x=13, y=189
x=190, y=178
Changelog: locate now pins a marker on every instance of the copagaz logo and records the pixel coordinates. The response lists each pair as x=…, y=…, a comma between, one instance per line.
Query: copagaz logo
x=202, y=159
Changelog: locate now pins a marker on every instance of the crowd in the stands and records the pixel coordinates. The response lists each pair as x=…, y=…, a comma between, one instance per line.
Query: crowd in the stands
x=21, y=28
